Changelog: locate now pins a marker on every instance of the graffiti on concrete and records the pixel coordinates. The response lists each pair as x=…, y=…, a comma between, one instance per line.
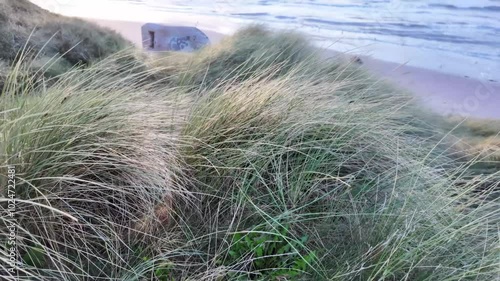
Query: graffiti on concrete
x=158, y=37
x=179, y=43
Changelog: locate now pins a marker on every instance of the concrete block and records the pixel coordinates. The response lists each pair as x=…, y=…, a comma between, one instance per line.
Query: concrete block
x=157, y=37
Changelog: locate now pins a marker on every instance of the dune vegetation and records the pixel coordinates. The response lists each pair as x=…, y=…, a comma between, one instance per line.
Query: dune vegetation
x=56, y=43
x=239, y=162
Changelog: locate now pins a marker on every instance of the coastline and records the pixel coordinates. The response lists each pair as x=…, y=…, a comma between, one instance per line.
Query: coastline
x=446, y=94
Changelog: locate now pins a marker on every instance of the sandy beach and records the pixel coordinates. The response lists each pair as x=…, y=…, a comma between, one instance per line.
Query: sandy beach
x=444, y=93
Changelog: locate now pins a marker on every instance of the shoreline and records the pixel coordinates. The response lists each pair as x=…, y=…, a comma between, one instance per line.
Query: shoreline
x=445, y=94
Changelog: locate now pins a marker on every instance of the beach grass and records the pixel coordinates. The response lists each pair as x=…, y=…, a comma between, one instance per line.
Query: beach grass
x=479, y=137
x=44, y=36
x=252, y=160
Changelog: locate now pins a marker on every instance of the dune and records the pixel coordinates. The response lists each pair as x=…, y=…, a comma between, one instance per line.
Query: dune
x=256, y=159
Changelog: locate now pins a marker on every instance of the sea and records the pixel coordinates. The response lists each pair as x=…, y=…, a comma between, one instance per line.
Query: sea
x=460, y=37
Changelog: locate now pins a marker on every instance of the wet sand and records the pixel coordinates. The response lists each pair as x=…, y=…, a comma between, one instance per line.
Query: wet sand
x=444, y=93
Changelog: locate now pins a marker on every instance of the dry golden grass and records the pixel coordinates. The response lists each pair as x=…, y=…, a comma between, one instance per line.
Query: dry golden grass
x=477, y=138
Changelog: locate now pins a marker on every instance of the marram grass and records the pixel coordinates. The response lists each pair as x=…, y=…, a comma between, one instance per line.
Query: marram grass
x=99, y=151
x=278, y=167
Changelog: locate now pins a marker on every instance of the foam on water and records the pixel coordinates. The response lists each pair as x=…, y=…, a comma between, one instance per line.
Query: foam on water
x=455, y=36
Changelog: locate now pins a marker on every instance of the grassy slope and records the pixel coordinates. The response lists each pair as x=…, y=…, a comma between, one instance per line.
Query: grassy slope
x=47, y=36
x=244, y=161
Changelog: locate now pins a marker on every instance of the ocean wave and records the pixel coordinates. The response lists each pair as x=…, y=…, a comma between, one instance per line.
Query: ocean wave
x=453, y=7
